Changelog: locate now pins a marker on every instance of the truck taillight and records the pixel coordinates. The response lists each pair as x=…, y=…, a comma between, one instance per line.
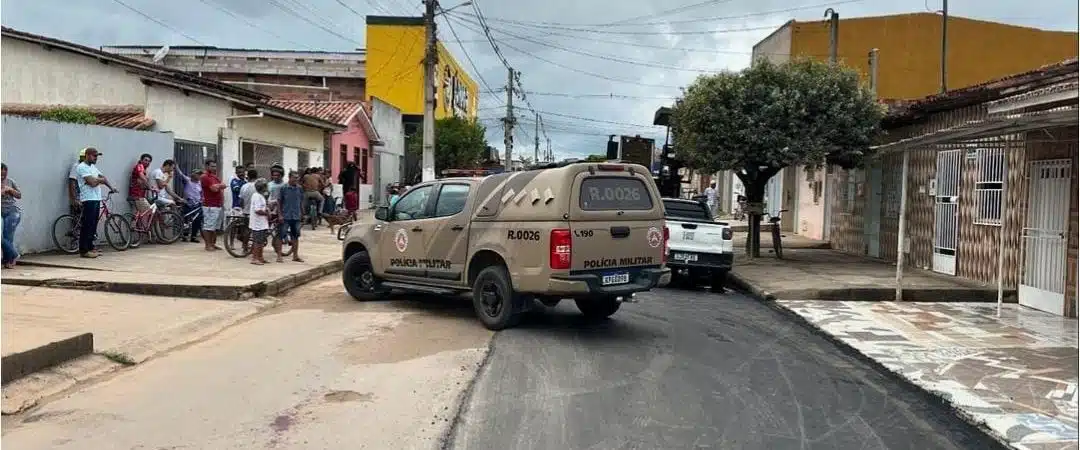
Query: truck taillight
x=667, y=235
x=561, y=249
x=726, y=234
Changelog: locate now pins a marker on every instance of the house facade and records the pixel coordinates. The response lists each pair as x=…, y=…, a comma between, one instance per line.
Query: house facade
x=908, y=67
x=991, y=188
x=209, y=120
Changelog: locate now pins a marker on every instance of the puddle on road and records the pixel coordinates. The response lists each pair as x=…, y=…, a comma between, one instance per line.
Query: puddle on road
x=419, y=334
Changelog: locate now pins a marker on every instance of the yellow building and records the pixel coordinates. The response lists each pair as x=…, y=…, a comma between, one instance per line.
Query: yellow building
x=909, y=50
x=395, y=54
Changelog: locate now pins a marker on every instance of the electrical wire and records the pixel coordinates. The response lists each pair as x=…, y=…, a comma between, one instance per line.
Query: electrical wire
x=646, y=33
x=313, y=23
x=370, y=3
x=253, y=24
x=468, y=58
x=574, y=69
x=163, y=24
x=604, y=96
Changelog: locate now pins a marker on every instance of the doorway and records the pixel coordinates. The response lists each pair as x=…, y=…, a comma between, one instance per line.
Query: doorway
x=946, y=210
x=1042, y=277
x=872, y=214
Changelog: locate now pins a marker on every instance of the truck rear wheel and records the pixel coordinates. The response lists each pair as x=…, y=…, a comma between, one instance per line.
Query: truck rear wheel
x=598, y=308
x=494, y=299
x=359, y=278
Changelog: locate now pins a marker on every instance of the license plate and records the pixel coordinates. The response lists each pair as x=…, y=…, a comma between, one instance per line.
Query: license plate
x=615, y=278
x=688, y=235
x=688, y=257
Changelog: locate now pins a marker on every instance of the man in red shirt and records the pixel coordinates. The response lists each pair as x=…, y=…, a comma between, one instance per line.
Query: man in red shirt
x=139, y=182
x=213, y=201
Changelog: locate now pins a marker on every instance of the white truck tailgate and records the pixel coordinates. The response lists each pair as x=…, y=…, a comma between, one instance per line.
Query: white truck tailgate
x=698, y=237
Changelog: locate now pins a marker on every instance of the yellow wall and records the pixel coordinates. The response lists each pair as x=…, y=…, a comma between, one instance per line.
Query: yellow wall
x=909, y=50
x=395, y=52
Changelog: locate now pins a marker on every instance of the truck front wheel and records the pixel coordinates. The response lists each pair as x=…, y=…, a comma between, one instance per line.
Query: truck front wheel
x=598, y=308
x=359, y=278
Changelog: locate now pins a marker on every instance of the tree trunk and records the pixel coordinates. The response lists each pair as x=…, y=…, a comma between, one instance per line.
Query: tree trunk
x=755, y=195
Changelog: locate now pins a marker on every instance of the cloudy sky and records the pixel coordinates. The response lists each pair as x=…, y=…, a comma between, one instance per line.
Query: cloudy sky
x=611, y=62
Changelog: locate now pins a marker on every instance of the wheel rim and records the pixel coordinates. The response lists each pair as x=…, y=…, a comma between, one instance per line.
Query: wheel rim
x=490, y=299
x=365, y=278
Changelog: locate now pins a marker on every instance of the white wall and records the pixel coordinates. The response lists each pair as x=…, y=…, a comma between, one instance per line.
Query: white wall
x=40, y=153
x=281, y=133
x=35, y=75
x=387, y=121
x=192, y=117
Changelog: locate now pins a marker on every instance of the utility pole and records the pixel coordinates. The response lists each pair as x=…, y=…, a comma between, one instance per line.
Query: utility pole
x=508, y=121
x=834, y=34
x=873, y=72
x=944, y=45
x=536, y=140
x=549, y=157
x=430, y=55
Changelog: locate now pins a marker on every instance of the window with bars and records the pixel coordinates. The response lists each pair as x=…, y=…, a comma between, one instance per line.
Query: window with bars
x=989, y=181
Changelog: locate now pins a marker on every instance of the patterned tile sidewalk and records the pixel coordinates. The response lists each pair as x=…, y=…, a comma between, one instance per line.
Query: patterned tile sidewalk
x=1016, y=374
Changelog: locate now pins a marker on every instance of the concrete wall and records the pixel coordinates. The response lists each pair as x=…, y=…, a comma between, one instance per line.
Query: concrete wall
x=190, y=117
x=355, y=139
x=35, y=75
x=810, y=203
x=272, y=131
x=776, y=47
x=387, y=121
x=39, y=155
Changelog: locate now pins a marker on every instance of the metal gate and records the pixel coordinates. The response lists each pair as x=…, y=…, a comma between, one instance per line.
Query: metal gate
x=946, y=208
x=190, y=155
x=1042, y=277
x=872, y=213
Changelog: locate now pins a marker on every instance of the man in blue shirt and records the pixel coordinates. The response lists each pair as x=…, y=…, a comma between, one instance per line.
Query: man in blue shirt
x=90, y=179
x=236, y=184
x=290, y=203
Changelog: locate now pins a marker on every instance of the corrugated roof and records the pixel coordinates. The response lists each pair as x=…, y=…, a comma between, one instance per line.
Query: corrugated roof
x=129, y=116
x=339, y=112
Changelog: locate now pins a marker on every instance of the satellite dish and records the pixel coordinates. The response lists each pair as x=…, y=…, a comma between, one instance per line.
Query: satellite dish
x=160, y=55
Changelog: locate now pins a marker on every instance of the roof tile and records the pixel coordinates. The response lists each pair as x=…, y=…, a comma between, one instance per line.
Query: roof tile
x=339, y=112
x=127, y=116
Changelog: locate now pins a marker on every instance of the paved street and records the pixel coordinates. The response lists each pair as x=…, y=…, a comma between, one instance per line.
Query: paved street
x=680, y=370
x=686, y=370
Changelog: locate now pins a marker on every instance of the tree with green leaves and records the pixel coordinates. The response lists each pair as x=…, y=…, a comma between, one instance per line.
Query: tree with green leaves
x=769, y=116
x=459, y=144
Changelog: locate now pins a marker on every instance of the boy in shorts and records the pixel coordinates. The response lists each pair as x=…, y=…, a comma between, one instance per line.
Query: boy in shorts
x=259, y=222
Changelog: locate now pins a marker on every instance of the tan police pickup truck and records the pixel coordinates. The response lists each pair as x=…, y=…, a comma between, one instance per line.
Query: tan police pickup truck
x=585, y=231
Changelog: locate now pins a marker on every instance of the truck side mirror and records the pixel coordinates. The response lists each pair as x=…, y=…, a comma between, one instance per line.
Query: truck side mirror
x=382, y=213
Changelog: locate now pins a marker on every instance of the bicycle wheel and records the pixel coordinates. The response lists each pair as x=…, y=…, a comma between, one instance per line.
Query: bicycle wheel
x=140, y=230
x=168, y=227
x=776, y=244
x=118, y=232
x=233, y=240
x=66, y=233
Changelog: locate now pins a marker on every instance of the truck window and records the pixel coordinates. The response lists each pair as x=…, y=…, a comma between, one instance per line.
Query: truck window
x=413, y=205
x=451, y=199
x=614, y=193
x=695, y=211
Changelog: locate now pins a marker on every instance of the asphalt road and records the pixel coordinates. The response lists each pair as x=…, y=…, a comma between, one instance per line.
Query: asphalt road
x=686, y=370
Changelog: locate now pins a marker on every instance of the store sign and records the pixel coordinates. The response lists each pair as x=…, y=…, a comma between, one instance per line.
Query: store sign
x=455, y=93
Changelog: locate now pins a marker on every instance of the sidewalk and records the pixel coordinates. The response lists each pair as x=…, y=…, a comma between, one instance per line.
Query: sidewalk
x=181, y=270
x=97, y=332
x=1016, y=376
x=813, y=274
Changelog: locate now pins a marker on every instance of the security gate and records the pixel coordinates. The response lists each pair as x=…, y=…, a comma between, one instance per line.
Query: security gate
x=1042, y=278
x=872, y=213
x=946, y=208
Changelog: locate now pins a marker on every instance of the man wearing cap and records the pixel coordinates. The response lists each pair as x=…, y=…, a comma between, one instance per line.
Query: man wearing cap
x=90, y=180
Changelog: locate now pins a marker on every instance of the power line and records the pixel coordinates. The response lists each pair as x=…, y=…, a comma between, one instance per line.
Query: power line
x=313, y=23
x=469, y=58
x=163, y=24
x=253, y=24
x=604, y=96
x=605, y=57
x=648, y=33
x=370, y=3
x=574, y=69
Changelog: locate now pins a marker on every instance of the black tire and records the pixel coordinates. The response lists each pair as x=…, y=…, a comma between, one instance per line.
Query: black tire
x=235, y=243
x=494, y=299
x=359, y=278
x=718, y=280
x=168, y=227
x=66, y=233
x=118, y=232
x=598, y=308
x=777, y=245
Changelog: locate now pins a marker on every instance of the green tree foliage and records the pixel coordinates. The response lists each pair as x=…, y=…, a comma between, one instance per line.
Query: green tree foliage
x=459, y=144
x=757, y=121
x=69, y=115
x=596, y=158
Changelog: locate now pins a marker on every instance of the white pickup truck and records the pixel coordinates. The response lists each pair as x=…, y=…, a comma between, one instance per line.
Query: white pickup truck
x=698, y=247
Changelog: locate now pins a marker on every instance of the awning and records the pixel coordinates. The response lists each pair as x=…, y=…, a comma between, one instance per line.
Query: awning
x=993, y=126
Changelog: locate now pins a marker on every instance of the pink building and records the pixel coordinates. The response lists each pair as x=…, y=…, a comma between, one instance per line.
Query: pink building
x=353, y=144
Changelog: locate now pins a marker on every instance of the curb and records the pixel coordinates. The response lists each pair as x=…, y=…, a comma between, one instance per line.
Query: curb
x=18, y=365
x=27, y=392
x=210, y=292
x=931, y=397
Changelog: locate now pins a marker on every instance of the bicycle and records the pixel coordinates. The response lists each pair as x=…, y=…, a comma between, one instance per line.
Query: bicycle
x=313, y=213
x=162, y=226
x=778, y=247
x=237, y=230
x=189, y=220
x=66, y=229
